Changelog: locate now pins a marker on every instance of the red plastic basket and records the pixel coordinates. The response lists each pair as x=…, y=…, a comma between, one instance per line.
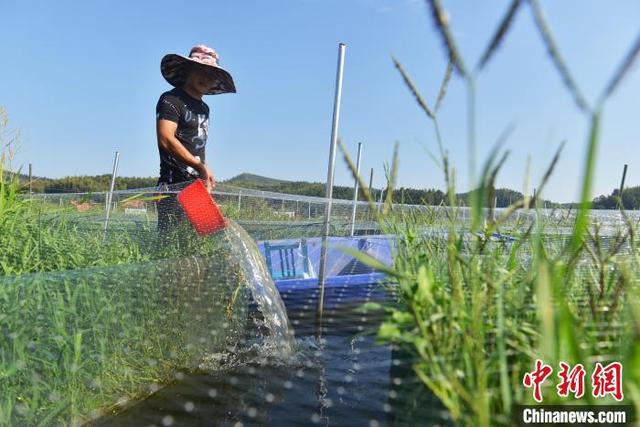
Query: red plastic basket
x=201, y=209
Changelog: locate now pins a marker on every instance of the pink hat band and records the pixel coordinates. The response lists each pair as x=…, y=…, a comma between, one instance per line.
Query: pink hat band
x=204, y=55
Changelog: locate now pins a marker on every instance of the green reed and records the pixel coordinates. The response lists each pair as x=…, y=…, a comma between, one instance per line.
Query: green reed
x=476, y=311
x=89, y=324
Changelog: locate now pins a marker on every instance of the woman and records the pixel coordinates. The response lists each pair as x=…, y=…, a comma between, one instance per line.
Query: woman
x=182, y=121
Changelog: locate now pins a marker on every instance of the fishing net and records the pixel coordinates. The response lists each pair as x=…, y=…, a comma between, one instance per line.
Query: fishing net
x=101, y=307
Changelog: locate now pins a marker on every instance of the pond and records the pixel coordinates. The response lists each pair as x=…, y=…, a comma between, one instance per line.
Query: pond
x=345, y=378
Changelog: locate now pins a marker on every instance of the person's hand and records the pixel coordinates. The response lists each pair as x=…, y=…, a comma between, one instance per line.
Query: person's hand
x=207, y=176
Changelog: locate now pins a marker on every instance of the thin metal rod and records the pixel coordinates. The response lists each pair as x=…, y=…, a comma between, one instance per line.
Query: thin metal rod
x=380, y=200
x=624, y=176
x=329, y=188
x=370, y=189
x=30, y=178
x=355, y=190
x=110, y=194
x=494, y=205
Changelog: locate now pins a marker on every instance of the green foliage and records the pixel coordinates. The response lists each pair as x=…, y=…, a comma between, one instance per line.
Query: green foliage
x=77, y=342
x=100, y=183
x=431, y=197
x=630, y=199
x=475, y=313
x=89, y=323
x=88, y=184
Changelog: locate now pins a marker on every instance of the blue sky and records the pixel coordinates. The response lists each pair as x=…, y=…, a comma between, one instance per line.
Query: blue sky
x=80, y=80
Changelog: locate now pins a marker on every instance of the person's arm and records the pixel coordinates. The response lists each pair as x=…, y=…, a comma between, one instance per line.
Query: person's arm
x=166, y=132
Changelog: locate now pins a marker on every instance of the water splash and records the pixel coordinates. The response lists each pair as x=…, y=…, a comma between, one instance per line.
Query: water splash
x=272, y=326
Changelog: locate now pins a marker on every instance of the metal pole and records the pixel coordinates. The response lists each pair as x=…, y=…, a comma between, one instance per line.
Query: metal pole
x=493, y=208
x=370, y=193
x=329, y=188
x=380, y=201
x=110, y=194
x=30, y=178
x=624, y=176
x=355, y=190
x=239, y=200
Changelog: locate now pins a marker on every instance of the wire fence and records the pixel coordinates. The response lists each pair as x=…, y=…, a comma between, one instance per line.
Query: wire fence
x=268, y=214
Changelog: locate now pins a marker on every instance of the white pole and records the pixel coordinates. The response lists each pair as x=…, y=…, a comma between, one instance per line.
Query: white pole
x=370, y=192
x=355, y=190
x=380, y=200
x=329, y=188
x=110, y=194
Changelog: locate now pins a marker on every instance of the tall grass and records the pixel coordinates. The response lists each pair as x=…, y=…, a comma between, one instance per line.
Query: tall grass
x=36, y=237
x=476, y=312
x=79, y=342
x=89, y=324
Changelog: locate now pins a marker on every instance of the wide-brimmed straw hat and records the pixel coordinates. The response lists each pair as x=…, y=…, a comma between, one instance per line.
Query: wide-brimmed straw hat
x=175, y=69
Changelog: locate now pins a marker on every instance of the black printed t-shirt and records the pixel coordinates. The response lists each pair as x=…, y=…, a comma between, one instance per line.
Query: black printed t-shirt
x=192, y=117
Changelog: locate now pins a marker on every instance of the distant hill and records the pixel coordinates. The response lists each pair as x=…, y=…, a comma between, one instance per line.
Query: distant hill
x=505, y=196
x=98, y=183
x=254, y=180
x=302, y=188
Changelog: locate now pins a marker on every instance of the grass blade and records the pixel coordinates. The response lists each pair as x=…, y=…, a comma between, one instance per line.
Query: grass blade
x=362, y=185
x=554, y=53
x=393, y=177
x=407, y=81
x=444, y=86
x=499, y=35
x=585, y=200
x=622, y=71
x=441, y=21
x=372, y=262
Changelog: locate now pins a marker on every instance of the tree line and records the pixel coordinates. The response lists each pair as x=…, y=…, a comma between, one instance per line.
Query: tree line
x=503, y=196
x=84, y=183
x=630, y=199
